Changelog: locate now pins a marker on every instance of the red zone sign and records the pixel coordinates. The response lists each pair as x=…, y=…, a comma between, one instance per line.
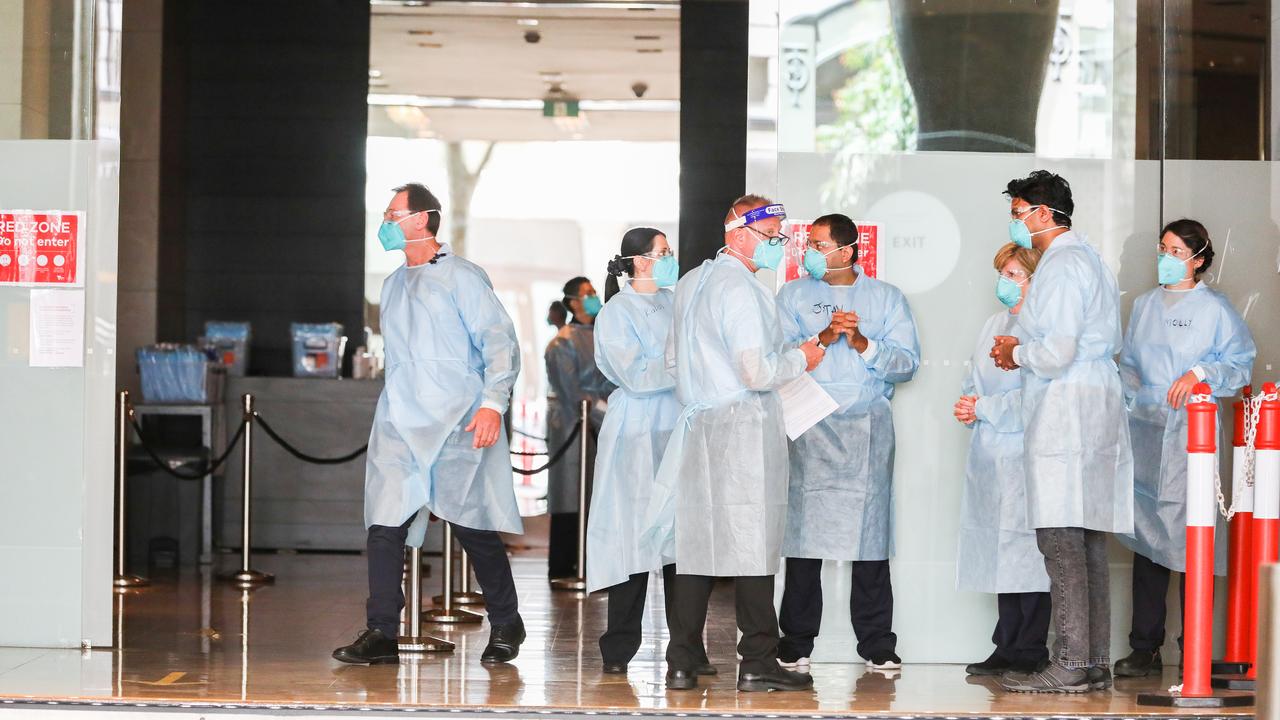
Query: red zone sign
x=40, y=247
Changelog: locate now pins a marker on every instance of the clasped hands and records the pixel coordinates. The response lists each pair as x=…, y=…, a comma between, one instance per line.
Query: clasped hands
x=1002, y=352
x=844, y=323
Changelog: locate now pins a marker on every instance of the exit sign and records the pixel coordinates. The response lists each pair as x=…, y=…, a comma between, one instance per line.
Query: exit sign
x=559, y=108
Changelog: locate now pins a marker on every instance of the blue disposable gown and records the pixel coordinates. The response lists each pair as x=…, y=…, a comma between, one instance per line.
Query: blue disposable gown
x=574, y=377
x=450, y=348
x=1078, y=460
x=841, y=493
x=997, y=551
x=719, y=505
x=1170, y=333
x=631, y=338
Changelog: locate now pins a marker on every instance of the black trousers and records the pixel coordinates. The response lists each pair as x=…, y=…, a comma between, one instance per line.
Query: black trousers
x=1022, y=626
x=870, y=608
x=385, y=554
x=753, y=601
x=622, y=638
x=1150, y=588
x=562, y=546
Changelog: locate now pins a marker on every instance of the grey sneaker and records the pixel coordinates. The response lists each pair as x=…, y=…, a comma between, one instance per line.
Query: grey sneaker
x=1099, y=677
x=1053, y=679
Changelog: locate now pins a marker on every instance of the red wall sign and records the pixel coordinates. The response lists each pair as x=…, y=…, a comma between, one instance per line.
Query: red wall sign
x=868, y=249
x=40, y=247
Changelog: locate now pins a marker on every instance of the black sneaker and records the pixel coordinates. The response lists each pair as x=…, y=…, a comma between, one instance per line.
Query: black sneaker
x=1140, y=663
x=371, y=648
x=994, y=665
x=1053, y=679
x=504, y=642
x=776, y=678
x=884, y=661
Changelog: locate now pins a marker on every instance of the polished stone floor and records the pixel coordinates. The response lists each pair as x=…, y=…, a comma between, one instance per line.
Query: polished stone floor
x=191, y=640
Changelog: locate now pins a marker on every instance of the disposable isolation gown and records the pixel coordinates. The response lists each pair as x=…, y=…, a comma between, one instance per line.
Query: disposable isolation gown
x=841, y=492
x=631, y=338
x=997, y=551
x=1170, y=333
x=719, y=505
x=1078, y=460
x=572, y=373
x=450, y=348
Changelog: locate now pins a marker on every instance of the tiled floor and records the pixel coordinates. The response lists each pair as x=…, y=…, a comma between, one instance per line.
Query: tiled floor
x=192, y=640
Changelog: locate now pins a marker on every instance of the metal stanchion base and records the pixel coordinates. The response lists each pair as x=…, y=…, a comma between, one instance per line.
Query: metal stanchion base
x=574, y=584
x=423, y=644
x=461, y=598
x=130, y=581
x=1164, y=699
x=456, y=616
x=1225, y=667
x=247, y=578
x=1233, y=682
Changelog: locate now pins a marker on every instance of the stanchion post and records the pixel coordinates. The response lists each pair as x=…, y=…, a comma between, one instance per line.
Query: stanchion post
x=1235, y=656
x=466, y=595
x=412, y=640
x=1202, y=511
x=246, y=577
x=123, y=580
x=1268, y=663
x=1266, y=496
x=579, y=583
x=447, y=613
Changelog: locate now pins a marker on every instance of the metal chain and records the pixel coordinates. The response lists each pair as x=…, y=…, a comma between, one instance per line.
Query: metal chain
x=1253, y=408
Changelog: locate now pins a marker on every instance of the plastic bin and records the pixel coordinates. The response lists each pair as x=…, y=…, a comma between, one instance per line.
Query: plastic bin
x=229, y=343
x=317, y=349
x=178, y=374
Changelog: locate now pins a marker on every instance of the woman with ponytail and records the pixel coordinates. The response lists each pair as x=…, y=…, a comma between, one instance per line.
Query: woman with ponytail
x=631, y=336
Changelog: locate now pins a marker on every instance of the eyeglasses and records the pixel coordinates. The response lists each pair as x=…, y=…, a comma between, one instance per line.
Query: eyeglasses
x=1015, y=275
x=651, y=256
x=779, y=239
x=1180, y=253
x=825, y=247
x=1017, y=214
x=395, y=214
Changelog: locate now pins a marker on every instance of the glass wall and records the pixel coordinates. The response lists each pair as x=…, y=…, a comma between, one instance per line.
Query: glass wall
x=913, y=116
x=59, y=157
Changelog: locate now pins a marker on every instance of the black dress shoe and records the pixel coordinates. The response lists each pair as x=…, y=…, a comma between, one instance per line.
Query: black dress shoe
x=504, y=642
x=706, y=668
x=994, y=665
x=681, y=680
x=774, y=679
x=1140, y=663
x=371, y=648
x=615, y=668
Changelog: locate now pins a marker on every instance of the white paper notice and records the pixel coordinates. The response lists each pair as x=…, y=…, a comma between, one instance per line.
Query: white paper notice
x=804, y=404
x=57, y=328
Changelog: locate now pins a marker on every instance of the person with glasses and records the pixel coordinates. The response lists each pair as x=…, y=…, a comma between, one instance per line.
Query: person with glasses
x=720, y=498
x=1180, y=333
x=631, y=338
x=438, y=446
x=1076, y=450
x=996, y=552
x=573, y=377
x=841, y=492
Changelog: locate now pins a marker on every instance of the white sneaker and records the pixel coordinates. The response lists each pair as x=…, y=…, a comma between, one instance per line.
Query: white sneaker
x=801, y=664
x=892, y=662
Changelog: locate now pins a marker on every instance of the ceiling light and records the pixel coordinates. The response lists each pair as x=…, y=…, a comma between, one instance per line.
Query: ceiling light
x=422, y=32
x=649, y=51
x=374, y=83
x=373, y=73
x=431, y=45
x=527, y=22
x=644, y=38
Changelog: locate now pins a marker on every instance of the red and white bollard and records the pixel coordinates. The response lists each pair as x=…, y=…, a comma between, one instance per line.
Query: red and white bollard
x=1266, y=512
x=1202, y=515
x=1235, y=657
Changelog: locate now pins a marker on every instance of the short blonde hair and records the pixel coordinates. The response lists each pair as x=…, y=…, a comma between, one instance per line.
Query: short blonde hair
x=1028, y=258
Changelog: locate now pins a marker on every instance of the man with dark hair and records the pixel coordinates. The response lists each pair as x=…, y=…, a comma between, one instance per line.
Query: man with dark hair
x=557, y=316
x=719, y=502
x=1079, y=464
x=841, y=494
x=438, y=446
